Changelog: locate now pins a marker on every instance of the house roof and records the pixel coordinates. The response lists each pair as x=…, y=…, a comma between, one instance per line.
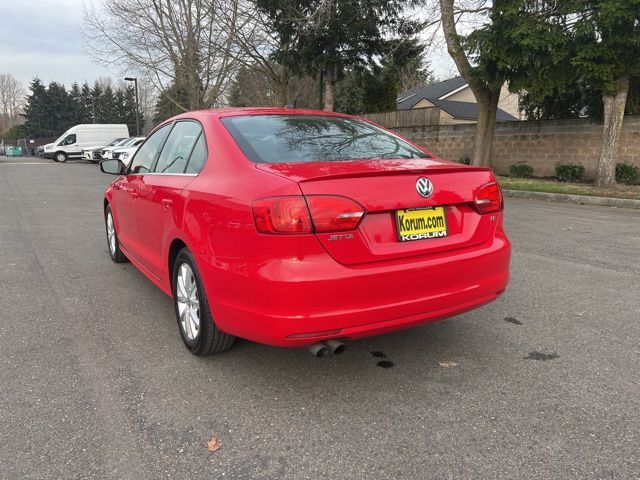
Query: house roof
x=438, y=92
x=408, y=99
x=468, y=110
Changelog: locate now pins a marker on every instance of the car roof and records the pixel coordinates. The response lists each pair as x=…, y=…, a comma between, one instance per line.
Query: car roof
x=235, y=111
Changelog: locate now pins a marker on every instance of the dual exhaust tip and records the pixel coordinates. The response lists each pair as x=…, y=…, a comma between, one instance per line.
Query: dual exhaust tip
x=322, y=349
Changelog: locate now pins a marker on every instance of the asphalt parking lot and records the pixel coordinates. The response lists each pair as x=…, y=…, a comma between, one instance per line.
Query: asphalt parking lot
x=95, y=381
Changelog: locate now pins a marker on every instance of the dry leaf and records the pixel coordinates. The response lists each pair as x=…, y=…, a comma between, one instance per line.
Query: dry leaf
x=447, y=364
x=214, y=444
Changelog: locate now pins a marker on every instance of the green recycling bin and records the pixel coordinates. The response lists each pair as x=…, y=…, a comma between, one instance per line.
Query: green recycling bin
x=13, y=151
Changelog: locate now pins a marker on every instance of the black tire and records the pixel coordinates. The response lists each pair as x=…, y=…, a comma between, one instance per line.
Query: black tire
x=209, y=340
x=114, y=248
x=60, y=157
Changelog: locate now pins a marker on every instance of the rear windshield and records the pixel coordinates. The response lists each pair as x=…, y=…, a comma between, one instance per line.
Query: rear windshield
x=314, y=138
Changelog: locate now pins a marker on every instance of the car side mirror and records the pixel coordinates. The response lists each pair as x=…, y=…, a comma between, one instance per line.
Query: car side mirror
x=113, y=167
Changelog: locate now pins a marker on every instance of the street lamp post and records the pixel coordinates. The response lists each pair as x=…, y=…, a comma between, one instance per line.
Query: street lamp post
x=135, y=81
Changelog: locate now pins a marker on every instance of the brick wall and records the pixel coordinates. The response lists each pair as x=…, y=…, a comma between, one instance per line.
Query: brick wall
x=542, y=144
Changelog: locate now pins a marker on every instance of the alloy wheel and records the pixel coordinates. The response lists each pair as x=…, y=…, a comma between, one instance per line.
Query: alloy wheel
x=188, y=300
x=111, y=234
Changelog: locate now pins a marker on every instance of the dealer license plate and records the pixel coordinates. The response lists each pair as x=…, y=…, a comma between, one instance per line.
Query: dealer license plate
x=421, y=223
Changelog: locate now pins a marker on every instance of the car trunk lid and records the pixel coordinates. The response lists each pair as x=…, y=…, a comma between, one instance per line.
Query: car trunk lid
x=383, y=187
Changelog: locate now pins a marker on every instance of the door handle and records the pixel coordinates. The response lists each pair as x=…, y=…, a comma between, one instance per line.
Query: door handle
x=167, y=203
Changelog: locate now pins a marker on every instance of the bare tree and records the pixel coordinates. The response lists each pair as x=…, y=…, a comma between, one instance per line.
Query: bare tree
x=258, y=42
x=487, y=94
x=188, y=44
x=11, y=100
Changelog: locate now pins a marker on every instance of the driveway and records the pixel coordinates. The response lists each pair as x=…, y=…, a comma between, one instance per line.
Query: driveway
x=95, y=381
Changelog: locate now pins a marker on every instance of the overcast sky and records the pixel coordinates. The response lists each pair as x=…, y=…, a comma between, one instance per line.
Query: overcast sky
x=43, y=38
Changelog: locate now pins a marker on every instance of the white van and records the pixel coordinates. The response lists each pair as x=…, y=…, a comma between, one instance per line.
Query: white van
x=71, y=142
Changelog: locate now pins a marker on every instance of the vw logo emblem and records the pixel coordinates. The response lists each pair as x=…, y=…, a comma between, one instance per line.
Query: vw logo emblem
x=424, y=187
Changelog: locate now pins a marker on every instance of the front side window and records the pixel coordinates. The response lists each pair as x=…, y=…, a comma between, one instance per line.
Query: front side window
x=146, y=154
x=69, y=140
x=178, y=147
x=314, y=138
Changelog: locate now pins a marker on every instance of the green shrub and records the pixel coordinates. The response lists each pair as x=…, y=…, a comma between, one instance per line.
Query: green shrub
x=569, y=172
x=465, y=159
x=626, y=173
x=521, y=170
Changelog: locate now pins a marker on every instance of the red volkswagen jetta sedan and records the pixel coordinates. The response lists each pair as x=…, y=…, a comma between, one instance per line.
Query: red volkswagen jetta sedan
x=303, y=228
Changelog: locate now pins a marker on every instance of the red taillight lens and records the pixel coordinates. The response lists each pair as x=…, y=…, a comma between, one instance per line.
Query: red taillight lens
x=294, y=214
x=489, y=198
x=334, y=214
x=288, y=215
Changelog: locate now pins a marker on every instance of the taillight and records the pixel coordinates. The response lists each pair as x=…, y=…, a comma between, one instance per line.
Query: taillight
x=334, y=214
x=287, y=215
x=298, y=214
x=489, y=198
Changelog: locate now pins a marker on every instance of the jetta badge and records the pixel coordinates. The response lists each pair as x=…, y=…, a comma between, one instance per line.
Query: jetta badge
x=424, y=187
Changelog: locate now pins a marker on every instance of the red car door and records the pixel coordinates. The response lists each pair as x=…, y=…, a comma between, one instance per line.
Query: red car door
x=127, y=193
x=161, y=200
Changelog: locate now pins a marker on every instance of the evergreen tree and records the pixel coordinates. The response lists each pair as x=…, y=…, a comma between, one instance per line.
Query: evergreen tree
x=168, y=103
x=375, y=87
x=51, y=110
x=555, y=48
x=81, y=113
x=97, y=104
x=128, y=107
x=329, y=37
x=86, y=99
x=108, y=107
x=35, y=110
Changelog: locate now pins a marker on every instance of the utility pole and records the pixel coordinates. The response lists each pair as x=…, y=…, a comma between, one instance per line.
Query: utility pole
x=135, y=81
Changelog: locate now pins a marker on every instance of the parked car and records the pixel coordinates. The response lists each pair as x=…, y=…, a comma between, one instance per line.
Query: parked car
x=303, y=228
x=107, y=152
x=125, y=153
x=40, y=150
x=71, y=142
x=93, y=153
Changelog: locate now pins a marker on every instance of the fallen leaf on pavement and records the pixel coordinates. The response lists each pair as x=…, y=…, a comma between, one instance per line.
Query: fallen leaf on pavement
x=447, y=364
x=214, y=444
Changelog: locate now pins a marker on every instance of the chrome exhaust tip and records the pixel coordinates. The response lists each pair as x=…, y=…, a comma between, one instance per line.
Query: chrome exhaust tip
x=318, y=350
x=336, y=346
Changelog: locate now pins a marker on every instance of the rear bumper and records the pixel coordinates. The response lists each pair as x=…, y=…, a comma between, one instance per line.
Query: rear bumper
x=298, y=301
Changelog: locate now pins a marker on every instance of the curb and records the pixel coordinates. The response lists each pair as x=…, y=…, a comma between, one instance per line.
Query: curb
x=579, y=199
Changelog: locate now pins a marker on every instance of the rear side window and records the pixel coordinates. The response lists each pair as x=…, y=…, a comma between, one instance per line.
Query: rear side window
x=198, y=156
x=178, y=147
x=314, y=138
x=146, y=154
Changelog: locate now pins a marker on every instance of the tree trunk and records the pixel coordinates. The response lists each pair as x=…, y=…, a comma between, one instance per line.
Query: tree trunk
x=614, y=106
x=483, y=139
x=320, y=88
x=330, y=88
x=282, y=87
x=487, y=95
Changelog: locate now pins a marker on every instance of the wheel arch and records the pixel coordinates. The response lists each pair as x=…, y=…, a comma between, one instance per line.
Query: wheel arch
x=176, y=245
